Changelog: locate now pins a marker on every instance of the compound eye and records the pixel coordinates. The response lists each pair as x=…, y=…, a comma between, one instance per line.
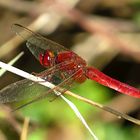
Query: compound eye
x=46, y=59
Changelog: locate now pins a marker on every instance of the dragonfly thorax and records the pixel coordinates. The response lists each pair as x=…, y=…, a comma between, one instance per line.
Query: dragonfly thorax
x=70, y=61
x=72, y=64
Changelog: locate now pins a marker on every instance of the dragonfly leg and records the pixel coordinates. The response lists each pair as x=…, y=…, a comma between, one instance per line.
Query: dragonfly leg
x=67, y=82
x=34, y=73
x=57, y=88
x=51, y=71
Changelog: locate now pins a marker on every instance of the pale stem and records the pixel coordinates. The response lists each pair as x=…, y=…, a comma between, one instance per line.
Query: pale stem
x=50, y=85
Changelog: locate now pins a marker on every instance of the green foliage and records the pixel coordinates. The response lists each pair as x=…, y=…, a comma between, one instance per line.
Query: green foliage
x=38, y=134
x=44, y=113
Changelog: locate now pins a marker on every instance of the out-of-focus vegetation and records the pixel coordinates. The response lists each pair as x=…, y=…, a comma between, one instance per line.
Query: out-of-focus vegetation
x=108, y=37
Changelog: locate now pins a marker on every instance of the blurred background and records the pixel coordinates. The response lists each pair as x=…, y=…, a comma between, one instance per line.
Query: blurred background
x=106, y=33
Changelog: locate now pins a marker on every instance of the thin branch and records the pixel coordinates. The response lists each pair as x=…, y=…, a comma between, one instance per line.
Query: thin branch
x=10, y=118
x=50, y=85
x=25, y=129
x=2, y=71
x=78, y=114
x=106, y=108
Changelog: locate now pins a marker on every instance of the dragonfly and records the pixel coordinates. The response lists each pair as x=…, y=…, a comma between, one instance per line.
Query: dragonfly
x=64, y=68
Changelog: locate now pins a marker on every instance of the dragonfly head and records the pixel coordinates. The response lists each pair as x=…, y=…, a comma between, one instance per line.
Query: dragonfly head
x=46, y=59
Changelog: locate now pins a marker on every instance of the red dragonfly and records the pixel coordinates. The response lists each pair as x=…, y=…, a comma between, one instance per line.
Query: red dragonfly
x=64, y=67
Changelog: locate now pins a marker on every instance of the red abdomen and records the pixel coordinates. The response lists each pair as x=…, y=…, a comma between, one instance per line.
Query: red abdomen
x=96, y=75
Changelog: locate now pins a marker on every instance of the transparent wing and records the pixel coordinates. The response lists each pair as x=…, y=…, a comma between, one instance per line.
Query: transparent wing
x=21, y=90
x=61, y=87
x=26, y=89
x=36, y=43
